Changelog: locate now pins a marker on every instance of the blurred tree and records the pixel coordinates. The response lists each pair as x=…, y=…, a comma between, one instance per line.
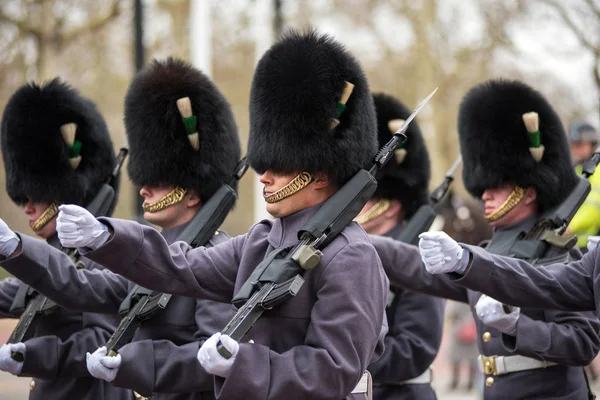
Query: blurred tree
x=53, y=25
x=578, y=20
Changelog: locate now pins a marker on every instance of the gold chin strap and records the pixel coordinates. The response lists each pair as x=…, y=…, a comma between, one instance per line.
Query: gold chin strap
x=375, y=211
x=173, y=197
x=297, y=184
x=46, y=217
x=511, y=201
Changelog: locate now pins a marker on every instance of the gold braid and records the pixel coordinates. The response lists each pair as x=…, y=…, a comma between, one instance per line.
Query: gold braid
x=173, y=197
x=511, y=201
x=298, y=183
x=375, y=211
x=46, y=217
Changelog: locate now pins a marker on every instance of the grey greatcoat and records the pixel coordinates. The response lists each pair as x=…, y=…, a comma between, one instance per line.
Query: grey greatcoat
x=55, y=356
x=161, y=359
x=314, y=346
x=570, y=339
x=573, y=286
x=416, y=323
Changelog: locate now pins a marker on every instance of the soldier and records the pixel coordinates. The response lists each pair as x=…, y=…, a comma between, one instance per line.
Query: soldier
x=527, y=353
x=415, y=320
x=178, y=173
x=309, y=133
x=56, y=149
x=586, y=222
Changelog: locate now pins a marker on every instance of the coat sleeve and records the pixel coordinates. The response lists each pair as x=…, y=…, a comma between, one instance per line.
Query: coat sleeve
x=413, y=340
x=170, y=368
x=403, y=266
x=141, y=254
x=566, y=338
x=48, y=357
x=8, y=291
x=52, y=273
x=343, y=331
x=516, y=282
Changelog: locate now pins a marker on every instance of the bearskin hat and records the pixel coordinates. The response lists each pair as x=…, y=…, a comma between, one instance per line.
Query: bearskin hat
x=161, y=150
x=301, y=118
x=55, y=144
x=405, y=177
x=496, y=149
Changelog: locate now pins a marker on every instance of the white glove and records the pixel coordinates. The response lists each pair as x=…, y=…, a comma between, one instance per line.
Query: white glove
x=77, y=227
x=7, y=364
x=592, y=242
x=9, y=241
x=212, y=361
x=442, y=254
x=493, y=313
x=102, y=366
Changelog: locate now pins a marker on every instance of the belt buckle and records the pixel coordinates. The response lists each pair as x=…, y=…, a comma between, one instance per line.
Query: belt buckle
x=489, y=365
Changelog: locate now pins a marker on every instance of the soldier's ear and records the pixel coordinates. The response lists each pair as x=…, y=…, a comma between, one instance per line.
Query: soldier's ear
x=530, y=195
x=320, y=180
x=192, y=199
x=394, y=210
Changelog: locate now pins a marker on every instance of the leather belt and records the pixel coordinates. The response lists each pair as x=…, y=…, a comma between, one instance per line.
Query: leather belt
x=365, y=386
x=501, y=365
x=425, y=377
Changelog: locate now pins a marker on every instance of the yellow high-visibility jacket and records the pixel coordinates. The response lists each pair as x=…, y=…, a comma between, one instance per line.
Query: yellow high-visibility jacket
x=586, y=221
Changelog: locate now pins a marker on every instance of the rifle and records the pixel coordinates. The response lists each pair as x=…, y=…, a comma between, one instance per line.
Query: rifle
x=423, y=218
x=548, y=231
x=198, y=232
x=278, y=276
x=38, y=304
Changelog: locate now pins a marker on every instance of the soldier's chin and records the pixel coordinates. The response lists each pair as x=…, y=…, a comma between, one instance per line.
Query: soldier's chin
x=274, y=209
x=155, y=218
x=47, y=230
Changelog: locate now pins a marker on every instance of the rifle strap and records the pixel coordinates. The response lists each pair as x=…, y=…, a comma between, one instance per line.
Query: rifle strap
x=20, y=301
x=133, y=296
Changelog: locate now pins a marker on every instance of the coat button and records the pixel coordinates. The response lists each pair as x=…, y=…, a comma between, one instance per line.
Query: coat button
x=487, y=337
x=489, y=381
x=32, y=385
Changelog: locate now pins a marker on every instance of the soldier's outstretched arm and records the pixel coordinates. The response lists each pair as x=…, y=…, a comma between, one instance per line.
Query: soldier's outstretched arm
x=413, y=340
x=52, y=273
x=50, y=358
x=168, y=367
x=567, y=338
x=516, y=282
x=141, y=254
x=403, y=266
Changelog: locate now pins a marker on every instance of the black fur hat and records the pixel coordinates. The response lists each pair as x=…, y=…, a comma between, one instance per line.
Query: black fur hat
x=294, y=99
x=160, y=151
x=495, y=148
x=405, y=177
x=36, y=155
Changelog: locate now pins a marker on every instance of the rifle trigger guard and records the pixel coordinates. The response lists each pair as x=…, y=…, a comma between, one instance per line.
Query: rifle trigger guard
x=307, y=257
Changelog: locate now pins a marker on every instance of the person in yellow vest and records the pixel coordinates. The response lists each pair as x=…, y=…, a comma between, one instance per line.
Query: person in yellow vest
x=583, y=140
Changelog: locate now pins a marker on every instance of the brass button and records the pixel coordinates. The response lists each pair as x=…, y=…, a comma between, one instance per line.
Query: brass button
x=487, y=337
x=216, y=233
x=489, y=381
x=32, y=385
